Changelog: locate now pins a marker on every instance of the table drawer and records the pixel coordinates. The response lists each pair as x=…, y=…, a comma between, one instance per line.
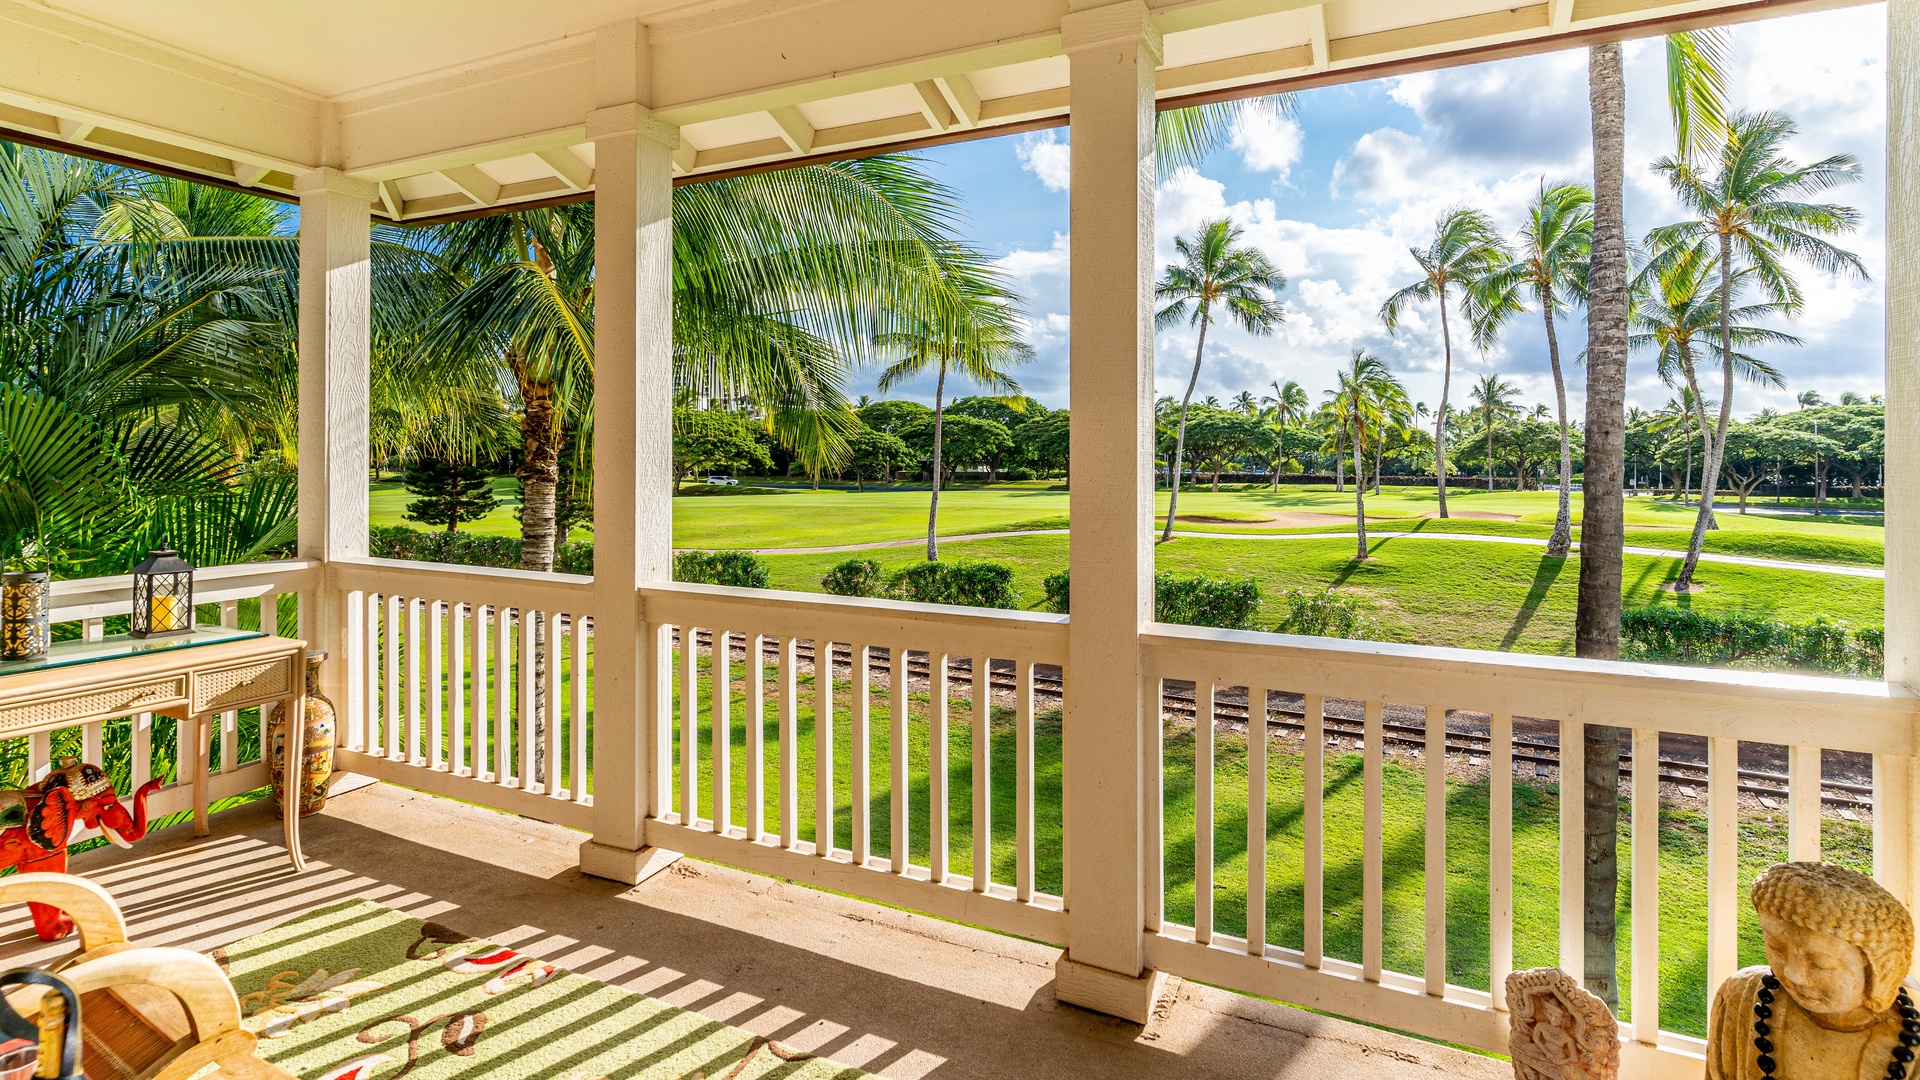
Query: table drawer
x=112, y=701
x=243, y=684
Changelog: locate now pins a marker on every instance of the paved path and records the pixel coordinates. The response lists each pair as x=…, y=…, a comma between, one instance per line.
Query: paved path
x=1523, y=541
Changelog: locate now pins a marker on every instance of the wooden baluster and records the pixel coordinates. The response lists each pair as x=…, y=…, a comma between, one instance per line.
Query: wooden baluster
x=230, y=720
x=1203, y=811
x=982, y=687
x=1313, y=827
x=722, y=768
x=1646, y=886
x=1435, y=963
x=823, y=801
x=1723, y=861
x=390, y=697
x=579, y=774
x=457, y=615
x=1372, y=822
x=550, y=680
x=477, y=695
x=860, y=750
x=789, y=737
x=937, y=849
x=1803, y=803
x=375, y=669
x=1573, y=849
x=755, y=676
x=354, y=730
x=1023, y=779
x=529, y=738
x=1154, y=868
x=1500, y=854
x=436, y=616
x=503, y=725
x=899, y=779
x=660, y=725
x=689, y=725
x=1256, y=821
x=416, y=680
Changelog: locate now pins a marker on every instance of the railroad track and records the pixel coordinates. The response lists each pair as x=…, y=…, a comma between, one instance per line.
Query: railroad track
x=1341, y=720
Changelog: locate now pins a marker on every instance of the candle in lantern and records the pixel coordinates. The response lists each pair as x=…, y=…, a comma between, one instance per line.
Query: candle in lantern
x=166, y=612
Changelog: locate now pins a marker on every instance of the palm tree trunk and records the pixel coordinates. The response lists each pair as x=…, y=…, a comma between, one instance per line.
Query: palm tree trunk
x=1180, y=439
x=933, y=506
x=1717, y=443
x=1359, y=490
x=1379, y=449
x=1602, y=524
x=1340, y=459
x=539, y=485
x=1489, y=449
x=1562, y=539
x=1440, y=418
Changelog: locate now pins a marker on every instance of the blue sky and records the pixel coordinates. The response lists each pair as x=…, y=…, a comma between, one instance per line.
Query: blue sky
x=1337, y=194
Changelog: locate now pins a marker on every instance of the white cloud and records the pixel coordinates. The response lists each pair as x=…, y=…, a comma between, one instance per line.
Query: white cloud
x=1267, y=142
x=1048, y=159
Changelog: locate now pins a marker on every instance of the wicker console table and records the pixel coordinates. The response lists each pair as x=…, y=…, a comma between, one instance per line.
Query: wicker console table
x=189, y=677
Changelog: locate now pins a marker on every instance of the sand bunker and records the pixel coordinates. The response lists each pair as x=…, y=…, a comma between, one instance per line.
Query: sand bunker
x=1476, y=515
x=1285, y=519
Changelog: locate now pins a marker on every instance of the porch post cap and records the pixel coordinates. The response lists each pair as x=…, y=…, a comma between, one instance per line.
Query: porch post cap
x=632, y=119
x=1111, y=24
x=315, y=181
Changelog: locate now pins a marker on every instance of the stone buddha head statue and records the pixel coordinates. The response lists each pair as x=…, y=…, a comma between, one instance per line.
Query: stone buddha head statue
x=1839, y=943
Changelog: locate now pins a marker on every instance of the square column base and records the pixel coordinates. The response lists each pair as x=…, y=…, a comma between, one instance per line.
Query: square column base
x=619, y=864
x=1109, y=992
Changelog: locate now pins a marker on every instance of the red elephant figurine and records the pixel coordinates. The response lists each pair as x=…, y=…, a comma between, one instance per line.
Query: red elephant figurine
x=76, y=795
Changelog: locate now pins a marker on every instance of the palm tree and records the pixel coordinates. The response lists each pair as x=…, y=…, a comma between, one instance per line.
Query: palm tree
x=1360, y=404
x=1214, y=268
x=1810, y=399
x=974, y=331
x=1286, y=407
x=1494, y=397
x=1245, y=403
x=1464, y=247
x=1554, y=246
x=1749, y=212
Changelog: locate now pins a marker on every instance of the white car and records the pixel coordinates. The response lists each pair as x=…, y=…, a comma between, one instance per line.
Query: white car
x=723, y=481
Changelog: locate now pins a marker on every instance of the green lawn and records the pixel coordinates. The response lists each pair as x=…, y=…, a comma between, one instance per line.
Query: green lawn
x=1536, y=843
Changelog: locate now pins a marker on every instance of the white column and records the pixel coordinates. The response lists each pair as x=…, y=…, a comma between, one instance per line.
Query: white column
x=1896, y=863
x=632, y=478
x=1109, y=718
x=335, y=338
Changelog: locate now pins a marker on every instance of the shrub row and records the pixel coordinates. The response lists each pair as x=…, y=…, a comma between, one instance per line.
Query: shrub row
x=1669, y=635
x=469, y=549
x=737, y=569
x=969, y=584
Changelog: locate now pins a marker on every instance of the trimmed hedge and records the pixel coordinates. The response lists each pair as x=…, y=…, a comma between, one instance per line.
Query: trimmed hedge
x=469, y=549
x=737, y=569
x=1194, y=601
x=855, y=577
x=967, y=584
x=1669, y=635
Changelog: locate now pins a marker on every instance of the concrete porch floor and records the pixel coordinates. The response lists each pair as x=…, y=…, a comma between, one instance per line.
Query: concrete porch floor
x=897, y=994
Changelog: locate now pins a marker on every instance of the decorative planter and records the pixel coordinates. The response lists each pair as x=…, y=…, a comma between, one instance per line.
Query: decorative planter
x=317, y=757
x=24, y=630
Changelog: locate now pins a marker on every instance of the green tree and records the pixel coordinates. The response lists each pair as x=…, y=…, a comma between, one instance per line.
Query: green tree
x=1494, y=398
x=710, y=441
x=876, y=454
x=1749, y=216
x=1464, y=248
x=1551, y=269
x=1359, y=403
x=450, y=492
x=1214, y=268
x=973, y=328
x=1286, y=407
x=1009, y=413
x=1047, y=442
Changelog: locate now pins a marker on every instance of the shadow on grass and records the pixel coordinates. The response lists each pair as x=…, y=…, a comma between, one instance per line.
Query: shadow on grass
x=1544, y=576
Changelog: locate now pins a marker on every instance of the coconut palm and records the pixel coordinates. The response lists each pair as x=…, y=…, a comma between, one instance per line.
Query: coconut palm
x=1749, y=217
x=1286, y=407
x=973, y=331
x=1245, y=403
x=1551, y=269
x=1360, y=404
x=1214, y=268
x=1494, y=398
x=1465, y=246
x=1809, y=399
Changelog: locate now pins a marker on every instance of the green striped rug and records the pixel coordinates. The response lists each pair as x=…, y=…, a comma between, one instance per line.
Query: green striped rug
x=358, y=991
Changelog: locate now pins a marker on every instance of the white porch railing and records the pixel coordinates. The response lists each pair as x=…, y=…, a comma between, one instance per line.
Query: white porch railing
x=254, y=596
x=1804, y=714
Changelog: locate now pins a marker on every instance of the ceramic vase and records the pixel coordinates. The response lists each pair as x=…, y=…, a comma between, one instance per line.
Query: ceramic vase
x=24, y=630
x=318, y=741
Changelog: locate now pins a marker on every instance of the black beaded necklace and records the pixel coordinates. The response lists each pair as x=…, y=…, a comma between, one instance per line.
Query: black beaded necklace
x=1763, y=1011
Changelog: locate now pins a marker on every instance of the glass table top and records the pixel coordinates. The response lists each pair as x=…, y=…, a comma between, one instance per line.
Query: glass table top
x=114, y=646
